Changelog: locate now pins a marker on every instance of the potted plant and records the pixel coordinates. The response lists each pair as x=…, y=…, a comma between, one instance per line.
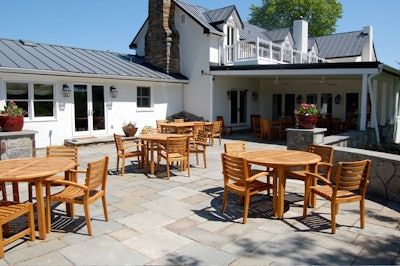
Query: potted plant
x=306, y=116
x=12, y=117
x=129, y=128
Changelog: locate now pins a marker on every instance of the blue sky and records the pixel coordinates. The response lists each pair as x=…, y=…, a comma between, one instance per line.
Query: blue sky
x=111, y=25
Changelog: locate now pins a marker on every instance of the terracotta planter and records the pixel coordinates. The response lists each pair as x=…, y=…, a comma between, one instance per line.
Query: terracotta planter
x=3, y=119
x=13, y=123
x=306, y=121
x=129, y=131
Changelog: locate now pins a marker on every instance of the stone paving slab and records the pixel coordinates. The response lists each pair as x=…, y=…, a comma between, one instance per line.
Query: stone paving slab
x=156, y=221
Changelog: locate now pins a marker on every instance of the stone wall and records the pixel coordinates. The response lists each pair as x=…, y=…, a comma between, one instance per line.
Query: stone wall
x=19, y=144
x=385, y=170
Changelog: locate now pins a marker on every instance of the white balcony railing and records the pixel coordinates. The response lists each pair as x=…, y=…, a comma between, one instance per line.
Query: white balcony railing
x=265, y=52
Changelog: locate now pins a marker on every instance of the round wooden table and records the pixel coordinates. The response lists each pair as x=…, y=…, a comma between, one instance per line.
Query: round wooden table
x=35, y=170
x=151, y=139
x=280, y=160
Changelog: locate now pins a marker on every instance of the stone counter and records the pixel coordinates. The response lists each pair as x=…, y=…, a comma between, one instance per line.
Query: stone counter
x=19, y=144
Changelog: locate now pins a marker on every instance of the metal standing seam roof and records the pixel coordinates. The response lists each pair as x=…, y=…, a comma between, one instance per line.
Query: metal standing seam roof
x=27, y=55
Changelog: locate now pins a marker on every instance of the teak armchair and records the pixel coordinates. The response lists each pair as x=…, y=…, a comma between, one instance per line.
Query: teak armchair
x=175, y=150
x=215, y=132
x=237, y=178
x=84, y=194
x=266, y=129
x=226, y=130
x=350, y=185
x=70, y=152
x=256, y=125
x=323, y=167
x=199, y=145
x=10, y=211
x=134, y=149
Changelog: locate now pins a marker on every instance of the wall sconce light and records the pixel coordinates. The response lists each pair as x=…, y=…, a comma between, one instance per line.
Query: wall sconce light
x=299, y=99
x=228, y=93
x=113, y=92
x=338, y=99
x=254, y=94
x=66, y=91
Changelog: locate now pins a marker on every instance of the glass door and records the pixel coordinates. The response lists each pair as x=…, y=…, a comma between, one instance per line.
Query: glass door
x=238, y=106
x=89, y=110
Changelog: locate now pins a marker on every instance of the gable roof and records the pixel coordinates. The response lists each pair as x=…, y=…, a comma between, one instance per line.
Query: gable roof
x=30, y=57
x=340, y=45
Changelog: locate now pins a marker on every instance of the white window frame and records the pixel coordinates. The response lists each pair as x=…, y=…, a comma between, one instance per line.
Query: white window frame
x=144, y=108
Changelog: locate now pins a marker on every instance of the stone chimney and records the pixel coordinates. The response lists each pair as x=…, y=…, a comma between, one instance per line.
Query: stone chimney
x=300, y=35
x=162, y=38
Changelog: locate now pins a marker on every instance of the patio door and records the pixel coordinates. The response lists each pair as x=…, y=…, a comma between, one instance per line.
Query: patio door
x=89, y=107
x=238, y=106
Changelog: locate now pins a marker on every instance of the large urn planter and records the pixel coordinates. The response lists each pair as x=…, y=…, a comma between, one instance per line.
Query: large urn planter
x=129, y=131
x=11, y=123
x=306, y=121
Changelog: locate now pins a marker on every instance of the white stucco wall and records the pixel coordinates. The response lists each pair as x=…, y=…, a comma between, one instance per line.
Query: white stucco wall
x=166, y=100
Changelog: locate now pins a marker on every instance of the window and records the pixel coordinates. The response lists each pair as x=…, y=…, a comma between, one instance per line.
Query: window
x=183, y=18
x=143, y=97
x=38, y=100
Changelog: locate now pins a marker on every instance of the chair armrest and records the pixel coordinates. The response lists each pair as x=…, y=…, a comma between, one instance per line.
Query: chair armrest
x=310, y=175
x=258, y=175
x=161, y=147
x=70, y=183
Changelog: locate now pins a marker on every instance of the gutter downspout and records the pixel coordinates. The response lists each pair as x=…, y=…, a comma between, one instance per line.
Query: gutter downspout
x=373, y=103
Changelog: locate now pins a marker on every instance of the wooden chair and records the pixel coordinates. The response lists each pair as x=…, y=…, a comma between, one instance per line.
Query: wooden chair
x=84, y=194
x=159, y=127
x=70, y=152
x=350, y=185
x=134, y=149
x=179, y=120
x=323, y=167
x=233, y=148
x=237, y=179
x=176, y=150
x=199, y=145
x=197, y=126
x=265, y=129
x=215, y=132
x=10, y=211
x=226, y=130
x=256, y=125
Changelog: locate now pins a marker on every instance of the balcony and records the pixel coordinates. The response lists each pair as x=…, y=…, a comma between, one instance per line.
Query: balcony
x=261, y=52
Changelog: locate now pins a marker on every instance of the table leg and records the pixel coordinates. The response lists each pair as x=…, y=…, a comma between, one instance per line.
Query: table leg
x=40, y=208
x=152, y=157
x=281, y=192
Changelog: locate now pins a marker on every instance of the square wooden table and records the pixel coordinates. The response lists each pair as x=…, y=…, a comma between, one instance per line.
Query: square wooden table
x=280, y=160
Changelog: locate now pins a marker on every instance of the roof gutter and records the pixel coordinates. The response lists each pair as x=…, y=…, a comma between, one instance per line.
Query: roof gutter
x=90, y=76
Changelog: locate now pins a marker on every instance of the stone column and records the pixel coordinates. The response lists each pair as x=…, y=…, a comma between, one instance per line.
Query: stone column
x=298, y=139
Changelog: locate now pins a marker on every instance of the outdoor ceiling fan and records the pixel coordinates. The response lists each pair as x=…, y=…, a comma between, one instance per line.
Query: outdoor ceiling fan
x=324, y=82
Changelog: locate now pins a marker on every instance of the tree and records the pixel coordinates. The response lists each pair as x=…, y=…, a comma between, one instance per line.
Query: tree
x=277, y=14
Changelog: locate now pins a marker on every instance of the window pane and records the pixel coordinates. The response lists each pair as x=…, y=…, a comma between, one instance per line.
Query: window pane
x=143, y=97
x=17, y=91
x=43, y=109
x=43, y=91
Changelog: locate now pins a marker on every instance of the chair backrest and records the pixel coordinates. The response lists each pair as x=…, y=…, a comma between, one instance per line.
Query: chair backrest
x=96, y=174
x=158, y=123
x=265, y=125
x=235, y=169
x=235, y=147
x=197, y=126
x=201, y=137
x=179, y=120
x=70, y=152
x=325, y=152
x=256, y=122
x=221, y=118
x=217, y=127
x=352, y=176
x=178, y=145
x=119, y=145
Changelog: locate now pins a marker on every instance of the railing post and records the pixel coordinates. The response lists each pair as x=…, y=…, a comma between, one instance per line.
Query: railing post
x=258, y=49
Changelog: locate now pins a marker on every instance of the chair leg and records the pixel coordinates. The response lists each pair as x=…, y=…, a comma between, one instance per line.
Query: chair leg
x=123, y=166
x=204, y=159
x=1, y=244
x=48, y=209
x=31, y=223
x=246, y=207
x=362, y=213
x=117, y=163
x=87, y=217
x=224, y=200
x=333, y=217
x=105, y=207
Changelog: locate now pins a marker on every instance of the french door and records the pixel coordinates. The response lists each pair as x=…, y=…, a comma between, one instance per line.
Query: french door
x=89, y=110
x=238, y=106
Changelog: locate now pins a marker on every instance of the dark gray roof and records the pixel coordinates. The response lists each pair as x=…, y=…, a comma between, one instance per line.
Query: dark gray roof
x=27, y=55
x=251, y=31
x=278, y=35
x=341, y=44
